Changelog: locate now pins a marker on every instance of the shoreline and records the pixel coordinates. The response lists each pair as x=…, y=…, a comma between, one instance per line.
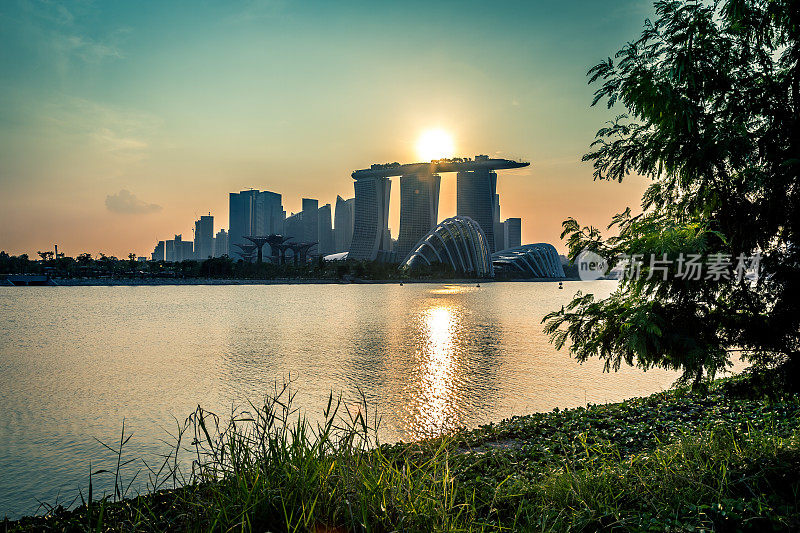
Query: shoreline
x=157, y=282
x=725, y=460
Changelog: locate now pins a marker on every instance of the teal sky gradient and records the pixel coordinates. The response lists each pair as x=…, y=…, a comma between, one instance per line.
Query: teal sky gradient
x=182, y=102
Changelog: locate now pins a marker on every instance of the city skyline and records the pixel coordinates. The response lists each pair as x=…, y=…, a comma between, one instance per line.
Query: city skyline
x=125, y=124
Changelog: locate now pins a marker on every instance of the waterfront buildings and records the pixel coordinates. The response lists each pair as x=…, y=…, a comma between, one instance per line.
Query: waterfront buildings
x=343, y=224
x=362, y=223
x=204, y=237
x=458, y=242
x=476, y=198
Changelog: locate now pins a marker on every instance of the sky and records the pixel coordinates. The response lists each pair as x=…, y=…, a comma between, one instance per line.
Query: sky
x=122, y=122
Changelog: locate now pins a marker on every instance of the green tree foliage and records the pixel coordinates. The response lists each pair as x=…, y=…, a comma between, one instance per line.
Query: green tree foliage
x=712, y=94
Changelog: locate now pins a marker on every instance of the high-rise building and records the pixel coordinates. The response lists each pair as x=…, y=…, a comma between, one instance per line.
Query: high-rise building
x=501, y=236
x=240, y=219
x=311, y=221
x=514, y=231
x=371, y=218
x=221, y=243
x=204, y=237
x=325, y=230
x=343, y=224
x=177, y=250
x=419, y=209
x=499, y=227
x=293, y=227
x=158, y=252
x=268, y=214
x=476, y=198
x=251, y=213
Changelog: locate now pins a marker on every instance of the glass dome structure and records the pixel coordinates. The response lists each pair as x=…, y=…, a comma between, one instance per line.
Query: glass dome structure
x=538, y=260
x=457, y=241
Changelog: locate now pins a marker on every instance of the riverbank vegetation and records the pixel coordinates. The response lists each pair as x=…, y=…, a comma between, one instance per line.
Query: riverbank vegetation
x=728, y=460
x=109, y=268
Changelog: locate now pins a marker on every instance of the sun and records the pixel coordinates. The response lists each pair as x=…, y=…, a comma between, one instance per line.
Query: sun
x=435, y=144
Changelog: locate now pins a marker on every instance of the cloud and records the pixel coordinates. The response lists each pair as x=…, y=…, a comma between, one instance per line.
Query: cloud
x=126, y=203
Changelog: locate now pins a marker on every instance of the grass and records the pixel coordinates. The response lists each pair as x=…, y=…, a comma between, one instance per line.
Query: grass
x=672, y=461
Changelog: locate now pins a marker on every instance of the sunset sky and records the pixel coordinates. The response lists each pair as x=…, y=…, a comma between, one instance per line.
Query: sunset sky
x=121, y=122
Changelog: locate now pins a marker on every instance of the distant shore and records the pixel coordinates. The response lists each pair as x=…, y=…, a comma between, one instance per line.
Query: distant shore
x=95, y=282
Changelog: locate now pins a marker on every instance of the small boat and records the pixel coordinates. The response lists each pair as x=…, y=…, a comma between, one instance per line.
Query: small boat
x=560, y=284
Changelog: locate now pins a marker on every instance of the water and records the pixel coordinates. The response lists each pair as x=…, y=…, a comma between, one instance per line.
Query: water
x=75, y=361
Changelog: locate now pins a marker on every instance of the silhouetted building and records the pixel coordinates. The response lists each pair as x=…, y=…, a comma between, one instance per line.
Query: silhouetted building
x=499, y=229
x=325, y=230
x=204, y=237
x=240, y=223
x=513, y=228
x=177, y=249
x=253, y=212
x=158, y=252
x=343, y=224
x=294, y=226
x=477, y=184
x=221, y=243
x=371, y=218
x=310, y=220
x=476, y=199
x=268, y=214
x=419, y=208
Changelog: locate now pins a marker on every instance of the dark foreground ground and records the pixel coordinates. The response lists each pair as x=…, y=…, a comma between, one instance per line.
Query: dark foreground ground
x=728, y=460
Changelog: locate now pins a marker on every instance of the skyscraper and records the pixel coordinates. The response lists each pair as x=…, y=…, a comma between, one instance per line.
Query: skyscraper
x=499, y=228
x=158, y=252
x=253, y=212
x=221, y=243
x=268, y=214
x=325, y=230
x=178, y=250
x=371, y=218
x=419, y=209
x=241, y=214
x=343, y=224
x=514, y=229
x=475, y=198
x=293, y=226
x=204, y=237
x=311, y=220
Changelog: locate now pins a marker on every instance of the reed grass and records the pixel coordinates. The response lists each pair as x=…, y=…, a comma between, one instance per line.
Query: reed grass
x=268, y=468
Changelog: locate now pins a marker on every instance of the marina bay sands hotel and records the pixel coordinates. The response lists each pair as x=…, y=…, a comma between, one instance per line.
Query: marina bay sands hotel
x=476, y=186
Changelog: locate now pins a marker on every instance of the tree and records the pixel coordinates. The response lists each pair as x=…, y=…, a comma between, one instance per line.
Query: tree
x=712, y=94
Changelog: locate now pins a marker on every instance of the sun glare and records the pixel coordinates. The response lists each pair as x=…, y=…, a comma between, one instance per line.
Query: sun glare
x=435, y=144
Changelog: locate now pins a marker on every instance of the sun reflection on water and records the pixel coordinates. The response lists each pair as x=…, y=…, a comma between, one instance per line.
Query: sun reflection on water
x=433, y=403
